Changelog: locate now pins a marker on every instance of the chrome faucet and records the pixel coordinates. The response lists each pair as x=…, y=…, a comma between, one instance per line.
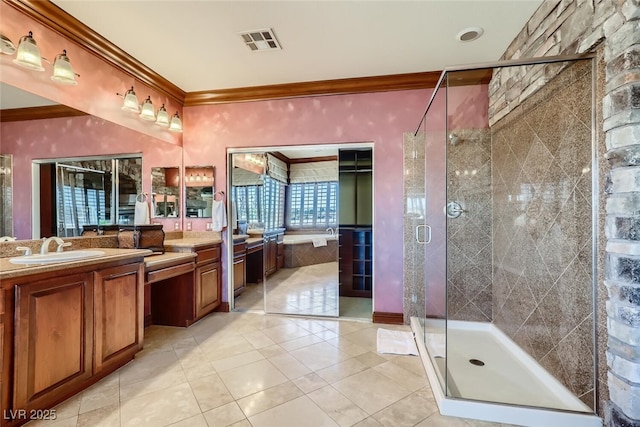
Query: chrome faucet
x=331, y=231
x=44, y=249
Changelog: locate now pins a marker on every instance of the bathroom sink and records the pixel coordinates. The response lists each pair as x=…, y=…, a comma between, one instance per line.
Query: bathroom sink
x=53, y=257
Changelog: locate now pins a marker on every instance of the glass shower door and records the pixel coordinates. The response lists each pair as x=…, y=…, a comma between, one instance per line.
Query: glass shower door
x=433, y=130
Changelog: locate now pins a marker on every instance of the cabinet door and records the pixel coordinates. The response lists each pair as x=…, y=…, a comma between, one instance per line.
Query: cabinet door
x=208, y=288
x=118, y=314
x=271, y=255
x=239, y=274
x=53, y=339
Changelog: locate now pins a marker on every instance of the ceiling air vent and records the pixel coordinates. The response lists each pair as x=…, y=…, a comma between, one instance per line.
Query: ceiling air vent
x=260, y=40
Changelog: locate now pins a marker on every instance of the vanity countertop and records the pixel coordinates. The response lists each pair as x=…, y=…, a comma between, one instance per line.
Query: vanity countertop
x=9, y=270
x=254, y=241
x=167, y=259
x=190, y=242
x=240, y=238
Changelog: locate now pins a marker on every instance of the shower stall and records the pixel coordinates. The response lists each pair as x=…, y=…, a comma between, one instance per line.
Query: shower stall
x=504, y=224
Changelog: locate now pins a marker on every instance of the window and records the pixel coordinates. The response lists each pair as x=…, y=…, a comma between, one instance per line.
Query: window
x=274, y=203
x=248, y=200
x=313, y=205
x=262, y=204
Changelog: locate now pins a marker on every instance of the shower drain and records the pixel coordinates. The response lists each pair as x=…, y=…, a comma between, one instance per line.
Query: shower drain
x=476, y=362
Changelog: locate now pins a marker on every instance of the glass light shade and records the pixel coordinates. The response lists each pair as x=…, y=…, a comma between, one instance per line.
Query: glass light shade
x=62, y=71
x=28, y=54
x=131, y=101
x=147, y=112
x=176, y=123
x=6, y=45
x=162, y=118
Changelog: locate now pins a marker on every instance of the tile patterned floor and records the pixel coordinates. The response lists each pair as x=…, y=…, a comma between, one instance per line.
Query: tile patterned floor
x=250, y=369
x=310, y=290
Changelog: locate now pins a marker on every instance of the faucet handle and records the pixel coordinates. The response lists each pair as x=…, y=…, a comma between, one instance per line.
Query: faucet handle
x=63, y=245
x=26, y=250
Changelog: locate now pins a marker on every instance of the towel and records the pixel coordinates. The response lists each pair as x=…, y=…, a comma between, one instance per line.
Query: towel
x=218, y=215
x=141, y=213
x=396, y=342
x=319, y=241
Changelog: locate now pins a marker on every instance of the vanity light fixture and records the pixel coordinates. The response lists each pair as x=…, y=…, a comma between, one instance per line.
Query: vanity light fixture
x=176, y=123
x=63, y=71
x=147, y=112
x=6, y=45
x=130, y=102
x=28, y=54
x=162, y=117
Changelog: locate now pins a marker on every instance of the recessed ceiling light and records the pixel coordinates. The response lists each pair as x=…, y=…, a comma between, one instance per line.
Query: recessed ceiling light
x=257, y=40
x=469, y=34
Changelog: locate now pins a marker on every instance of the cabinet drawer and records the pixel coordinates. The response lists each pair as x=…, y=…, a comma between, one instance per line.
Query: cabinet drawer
x=166, y=273
x=207, y=255
x=239, y=248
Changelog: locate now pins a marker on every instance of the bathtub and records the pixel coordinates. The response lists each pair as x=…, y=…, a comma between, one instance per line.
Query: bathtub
x=296, y=239
x=299, y=249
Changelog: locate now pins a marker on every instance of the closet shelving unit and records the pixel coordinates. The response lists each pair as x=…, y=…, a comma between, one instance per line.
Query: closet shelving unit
x=355, y=232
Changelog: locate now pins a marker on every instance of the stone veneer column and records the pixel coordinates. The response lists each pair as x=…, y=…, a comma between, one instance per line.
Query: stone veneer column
x=621, y=111
x=576, y=26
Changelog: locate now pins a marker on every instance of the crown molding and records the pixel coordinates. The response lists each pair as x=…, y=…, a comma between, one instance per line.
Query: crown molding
x=409, y=81
x=53, y=17
x=38, y=113
x=56, y=19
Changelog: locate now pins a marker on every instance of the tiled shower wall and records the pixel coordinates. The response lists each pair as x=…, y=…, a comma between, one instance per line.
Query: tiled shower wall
x=469, y=284
x=542, y=228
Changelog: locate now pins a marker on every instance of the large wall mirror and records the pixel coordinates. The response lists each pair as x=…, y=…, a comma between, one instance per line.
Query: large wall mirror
x=165, y=192
x=80, y=192
x=6, y=187
x=199, y=189
x=76, y=169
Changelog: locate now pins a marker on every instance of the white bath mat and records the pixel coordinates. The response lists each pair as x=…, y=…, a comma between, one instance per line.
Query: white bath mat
x=396, y=342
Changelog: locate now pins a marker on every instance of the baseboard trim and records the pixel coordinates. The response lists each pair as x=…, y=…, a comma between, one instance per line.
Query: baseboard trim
x=223, y=307
x=389, y=318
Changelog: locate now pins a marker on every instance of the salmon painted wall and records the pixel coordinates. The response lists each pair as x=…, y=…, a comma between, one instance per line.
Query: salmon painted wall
x=380, y=118
x=74, y=137
x=97, y=85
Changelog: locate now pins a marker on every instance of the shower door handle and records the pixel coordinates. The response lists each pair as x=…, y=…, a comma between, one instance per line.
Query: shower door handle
x=428, y=233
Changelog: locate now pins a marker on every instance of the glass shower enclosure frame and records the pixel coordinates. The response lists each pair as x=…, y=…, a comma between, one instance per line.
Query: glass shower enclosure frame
x=507, y=331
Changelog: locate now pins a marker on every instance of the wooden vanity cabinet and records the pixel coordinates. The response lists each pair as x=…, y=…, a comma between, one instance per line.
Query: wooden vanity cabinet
x=239, y=268
x=118, y=321
x=53, y=339
x=208, y=287
x=270, y=254
x=63, y=330
x=273, y=252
